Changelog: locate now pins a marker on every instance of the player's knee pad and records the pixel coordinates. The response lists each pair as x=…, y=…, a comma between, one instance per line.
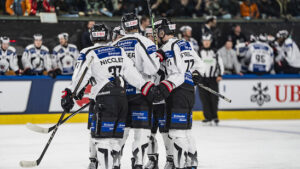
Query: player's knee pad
x=167, y=142
x=92, y=148
x=152, y=145
x=140, y=144
x=104, y=154
x=179, y=147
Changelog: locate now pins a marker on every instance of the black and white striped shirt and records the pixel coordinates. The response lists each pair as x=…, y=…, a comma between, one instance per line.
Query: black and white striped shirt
x=213, y=63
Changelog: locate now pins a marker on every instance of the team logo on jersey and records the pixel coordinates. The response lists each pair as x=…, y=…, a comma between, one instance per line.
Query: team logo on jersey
x=260, y=96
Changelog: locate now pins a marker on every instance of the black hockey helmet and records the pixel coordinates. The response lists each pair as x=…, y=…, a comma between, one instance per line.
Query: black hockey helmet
x=99, y=32
x=117, y=31
x=129, y=21
x=166, y=25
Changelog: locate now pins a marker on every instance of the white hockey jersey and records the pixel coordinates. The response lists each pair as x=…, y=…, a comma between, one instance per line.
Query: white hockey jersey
x=261, y=57
x=181, y=61
x=107, y=63
x=36, y=59
x=195, y=44
x=290, y=52
x=142, y=51
x=214, y=66
x=8, y=59
x=64, y=58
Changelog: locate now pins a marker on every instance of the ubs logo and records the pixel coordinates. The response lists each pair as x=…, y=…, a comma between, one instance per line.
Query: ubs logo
x=260, y=95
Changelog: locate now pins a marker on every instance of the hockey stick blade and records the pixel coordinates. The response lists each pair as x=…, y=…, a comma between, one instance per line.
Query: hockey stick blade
x=37, y=128
x=28, y=164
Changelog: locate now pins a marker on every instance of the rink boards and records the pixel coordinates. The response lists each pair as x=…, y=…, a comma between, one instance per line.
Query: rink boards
x=37, y=99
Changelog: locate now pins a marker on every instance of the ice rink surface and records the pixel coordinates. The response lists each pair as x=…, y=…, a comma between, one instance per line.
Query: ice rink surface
x=232, y=145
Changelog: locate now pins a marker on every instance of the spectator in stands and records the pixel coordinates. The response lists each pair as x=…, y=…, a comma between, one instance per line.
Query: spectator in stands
x=145, y=21
x=2, y=6
x=237, y=35
x=249, y=9
x=268, y=8
x=229, y=58
x=199, y=7
x=41, y=6
x=8, y=57
x=212, y=7
x=85, y=38
x=289, y=54
x=294, y=8
x=230, y=8
x=18, y=7
x=183, y=8
x=186, y=32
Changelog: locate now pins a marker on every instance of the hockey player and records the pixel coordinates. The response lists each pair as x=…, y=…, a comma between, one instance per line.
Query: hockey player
x=64, y=57
x=36, y=58
x=142, y=52
x=214, y=69
x=8, y=57
x=117, y=33
x=177, y=89
x=186, y=32
x=159, y=118
x=259, y=57
x=289, y=53
x=108, y=65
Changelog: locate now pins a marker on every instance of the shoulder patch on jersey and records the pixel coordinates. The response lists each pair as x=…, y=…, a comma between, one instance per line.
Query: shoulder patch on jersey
x=151, y=49
x=169, y=54
x=9, y=52
x=107, y=52
x=72, y=49
x=127, y=44
x=82, y=56
x=262, y=47
x=288, y=45
x=32, y=50
x=60, y=50
x=184, y=45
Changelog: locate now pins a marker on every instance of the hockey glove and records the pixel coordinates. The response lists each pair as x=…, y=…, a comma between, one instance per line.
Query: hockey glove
x=149, y=90
x=161, y=55
x=67, y=102
x=165, y=87
x=80, y=94
x=197, y=78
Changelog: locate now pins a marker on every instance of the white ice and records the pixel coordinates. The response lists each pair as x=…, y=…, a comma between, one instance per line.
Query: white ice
x=232, y=145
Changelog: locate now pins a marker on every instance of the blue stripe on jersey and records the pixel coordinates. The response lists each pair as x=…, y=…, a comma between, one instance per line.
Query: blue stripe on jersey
x=257, y=47
x=288, y=45
x=9, y=52
x=107, y=52
x=127, y=45
x=82, y=56
x=72, y=49
x=184, y=45
x=151, y=49
x=32, y=50
x=169, y=54
x=61, y=50
x=242, y=49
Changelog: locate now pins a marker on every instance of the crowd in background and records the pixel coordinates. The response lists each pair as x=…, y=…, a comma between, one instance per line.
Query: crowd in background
x=226, y=9
x=258, y=54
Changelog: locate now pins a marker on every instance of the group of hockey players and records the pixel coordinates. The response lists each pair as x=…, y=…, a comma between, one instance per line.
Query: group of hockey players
x=36, y=59
x=266, y=54
x=140, y=87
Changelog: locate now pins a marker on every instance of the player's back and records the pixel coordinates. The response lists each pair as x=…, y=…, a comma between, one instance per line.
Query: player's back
x=261, y=57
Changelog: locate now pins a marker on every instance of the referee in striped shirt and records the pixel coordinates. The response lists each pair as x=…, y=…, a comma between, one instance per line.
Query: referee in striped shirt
x=214, y=70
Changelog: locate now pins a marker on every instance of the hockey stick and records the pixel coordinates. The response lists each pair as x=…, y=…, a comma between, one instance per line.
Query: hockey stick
x=40, y=129
x=35, y=163
x=152, y=23
x=214, y=92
